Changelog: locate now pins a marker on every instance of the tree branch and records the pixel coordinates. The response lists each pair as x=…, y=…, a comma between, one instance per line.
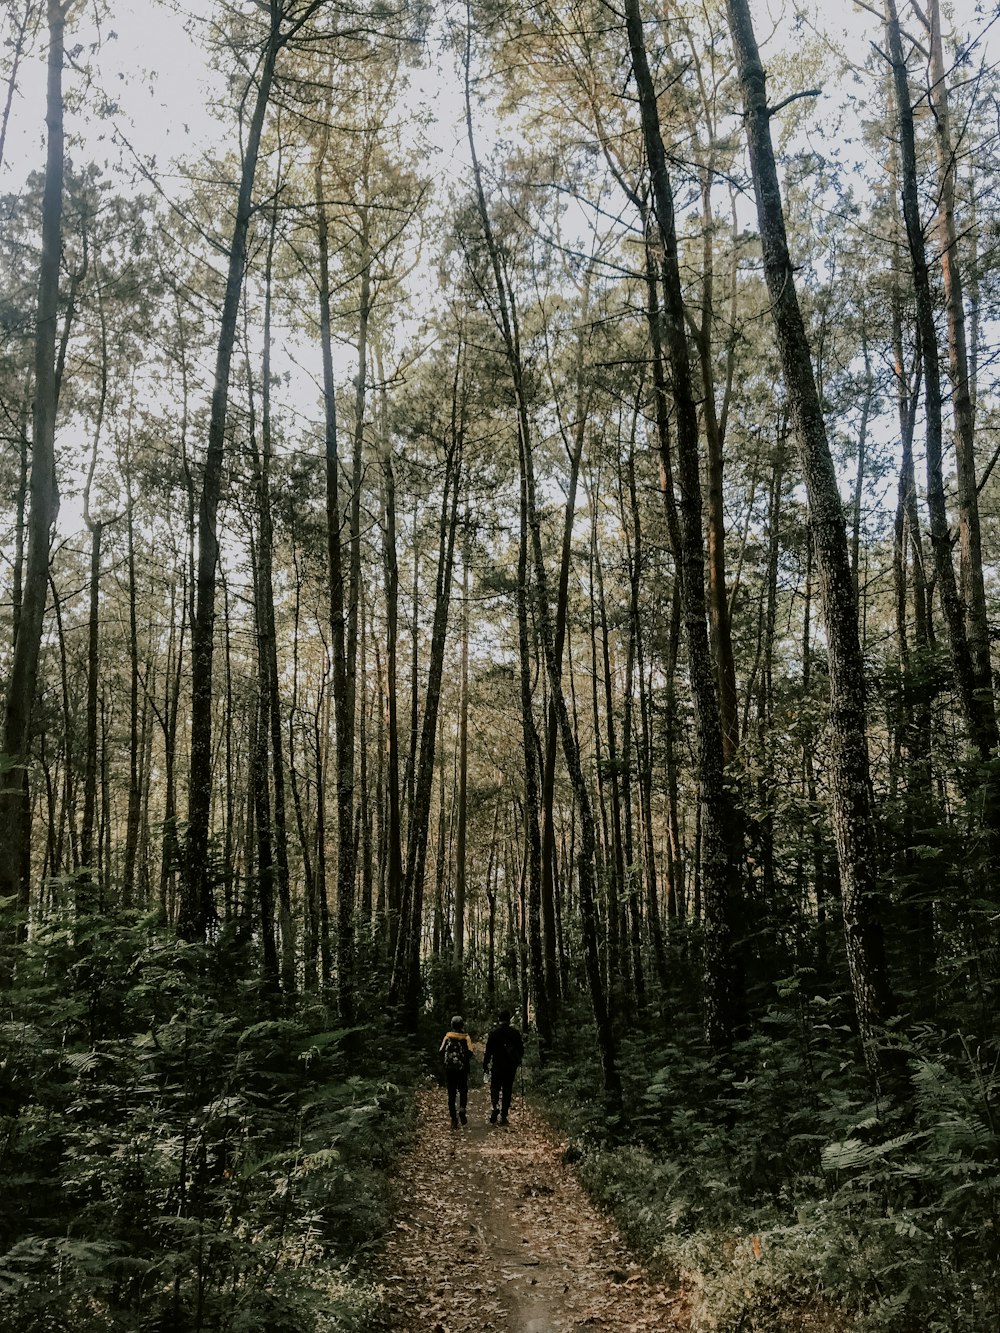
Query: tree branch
x=806, y=92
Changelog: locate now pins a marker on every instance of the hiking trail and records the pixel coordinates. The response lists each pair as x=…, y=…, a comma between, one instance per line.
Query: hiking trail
x=495, y=1234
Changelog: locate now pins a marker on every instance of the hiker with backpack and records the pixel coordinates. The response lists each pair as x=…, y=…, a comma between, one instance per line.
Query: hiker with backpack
x=504, y=1053
x=456, y=1052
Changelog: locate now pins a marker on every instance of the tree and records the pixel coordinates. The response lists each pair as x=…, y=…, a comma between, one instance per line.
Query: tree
x=286, y=19
x=853, y=817
x=973, y=688
x=15, y=809
x=721, y=852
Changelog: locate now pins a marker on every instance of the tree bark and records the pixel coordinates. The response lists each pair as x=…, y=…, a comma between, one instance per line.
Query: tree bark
x=197, y=909
x=311, y=931
x=462, y=818
x=268, y=639
x=23, y=470
x=976, y=702
x=549, y=868
x=721, y=850
x=68, y=858
x=343, y=687
x=265, y=877
x=963, y=405
x=96, y=529
x=405, y=988
x=571, y=752
x=87, y=848
x=644, y=743
x=853, y=816
x=15, y=804
x=394, y=847
x=715, y=434
x=137, y=744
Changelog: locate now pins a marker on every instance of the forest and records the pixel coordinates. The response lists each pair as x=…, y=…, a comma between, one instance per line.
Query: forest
x=500, y=511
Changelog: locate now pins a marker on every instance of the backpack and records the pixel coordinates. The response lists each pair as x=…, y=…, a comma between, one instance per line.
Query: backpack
x=506, y=1052
x=455, y=1053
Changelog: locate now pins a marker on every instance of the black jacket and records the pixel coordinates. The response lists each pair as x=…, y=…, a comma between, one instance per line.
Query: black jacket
x=504, y=1049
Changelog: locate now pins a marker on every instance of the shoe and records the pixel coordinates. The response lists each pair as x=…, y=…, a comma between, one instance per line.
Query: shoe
x=503, y=1120
x=454, y=1124
x=493, y=1116
x=463, y=1117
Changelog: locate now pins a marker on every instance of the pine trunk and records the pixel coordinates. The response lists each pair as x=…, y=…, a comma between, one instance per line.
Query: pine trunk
x=853, y=816
x=197, y=909
x=15, y=801
x=720, y=841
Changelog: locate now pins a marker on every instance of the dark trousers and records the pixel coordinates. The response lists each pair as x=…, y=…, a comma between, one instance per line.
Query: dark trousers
x=502, y=1089
x=458, y=1087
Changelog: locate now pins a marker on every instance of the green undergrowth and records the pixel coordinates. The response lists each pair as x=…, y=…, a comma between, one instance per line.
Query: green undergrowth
x=180, y=1152
x=778, y=1194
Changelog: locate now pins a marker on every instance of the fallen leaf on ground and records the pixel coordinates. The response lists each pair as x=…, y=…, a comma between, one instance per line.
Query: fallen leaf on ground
x=496, y=1235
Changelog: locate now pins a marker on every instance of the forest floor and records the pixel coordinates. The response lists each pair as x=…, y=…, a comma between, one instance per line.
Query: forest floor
x=495, y=1234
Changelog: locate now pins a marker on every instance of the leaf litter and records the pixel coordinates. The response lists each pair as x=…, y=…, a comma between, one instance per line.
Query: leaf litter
x=495, y=1234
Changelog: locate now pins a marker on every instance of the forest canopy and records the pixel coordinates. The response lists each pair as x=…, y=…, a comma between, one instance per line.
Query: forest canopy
x=499, y=506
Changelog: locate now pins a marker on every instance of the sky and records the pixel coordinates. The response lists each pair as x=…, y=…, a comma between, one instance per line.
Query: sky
x=152, y=65
x=148, y=61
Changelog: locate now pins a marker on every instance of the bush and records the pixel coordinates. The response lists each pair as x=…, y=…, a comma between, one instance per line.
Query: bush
x=176, y=1154
x=779, y=1195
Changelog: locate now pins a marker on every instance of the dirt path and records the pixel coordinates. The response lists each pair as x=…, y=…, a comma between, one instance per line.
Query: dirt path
x=494, y=1234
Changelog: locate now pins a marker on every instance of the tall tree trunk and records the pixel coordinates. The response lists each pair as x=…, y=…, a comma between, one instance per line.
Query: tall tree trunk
x=765, y=703
x=197, y=896
x=715, y=433
x=914, y=710
x=394, y=849
x=975, y=701
x=644, y=746
x=405, y=989
x=267, y=635
x=15, y=802
x=365, y=807
x=571, y=752
x=170, y=855
x=136, y=745
x=410, y=772
x=721, y=850
x=312, y=914
x=618, y=953
x=21, y=508
x=853, y=816
x=574, y=448
x=96, y=529
x=226, y=773
x=87, y=848
x=632, y=880
x=859, y=483
x=491, y=901
x=604, y=873
x=340, y=613
x=261, y=797
x=68, y=825
x=532, y=863
x=105, y=818
x=463, y=769
x=321, y=729
x=963, y=405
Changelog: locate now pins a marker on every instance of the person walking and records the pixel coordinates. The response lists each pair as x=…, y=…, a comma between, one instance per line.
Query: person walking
x=456, y=1052
x=503, y=1056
